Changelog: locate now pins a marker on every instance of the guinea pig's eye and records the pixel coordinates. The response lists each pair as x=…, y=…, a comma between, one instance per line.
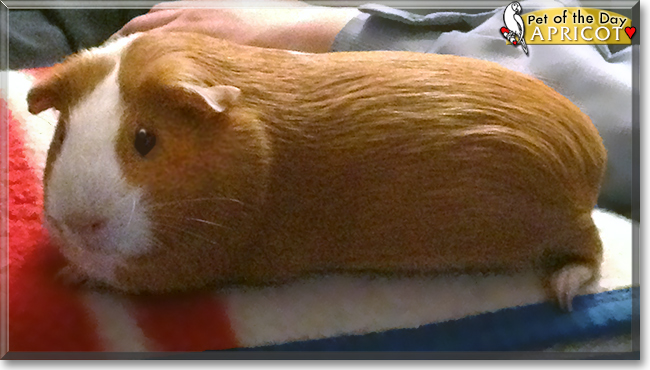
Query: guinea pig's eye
x=144, y=141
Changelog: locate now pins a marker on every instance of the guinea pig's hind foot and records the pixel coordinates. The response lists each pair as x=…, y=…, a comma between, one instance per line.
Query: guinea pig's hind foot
x=567, y=281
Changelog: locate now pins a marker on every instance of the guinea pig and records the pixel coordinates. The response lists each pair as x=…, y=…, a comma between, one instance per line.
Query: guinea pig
x=182, y=160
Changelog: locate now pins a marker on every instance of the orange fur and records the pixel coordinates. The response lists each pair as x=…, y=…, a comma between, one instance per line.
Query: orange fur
x=382, y=161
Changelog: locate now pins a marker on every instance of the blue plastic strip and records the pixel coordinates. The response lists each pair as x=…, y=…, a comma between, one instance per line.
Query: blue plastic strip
x=527, y=328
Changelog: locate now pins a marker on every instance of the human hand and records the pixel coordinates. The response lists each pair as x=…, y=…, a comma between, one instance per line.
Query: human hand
x=280, y=24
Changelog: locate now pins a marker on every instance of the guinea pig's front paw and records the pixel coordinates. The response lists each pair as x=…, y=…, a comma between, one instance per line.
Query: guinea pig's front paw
x=71, y=276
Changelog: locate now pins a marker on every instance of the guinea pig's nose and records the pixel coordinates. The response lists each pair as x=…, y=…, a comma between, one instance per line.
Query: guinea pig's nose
x=86, y=224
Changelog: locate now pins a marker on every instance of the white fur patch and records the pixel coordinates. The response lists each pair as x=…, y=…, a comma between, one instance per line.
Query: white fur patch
x=87, y=183
x=113, y=47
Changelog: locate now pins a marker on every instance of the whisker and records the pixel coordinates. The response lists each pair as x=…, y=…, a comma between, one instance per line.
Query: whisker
x=46, y=120
x=182, y=230
x=174, y=217
x=126, y=196
x=184, y=201
x=132, y=212
x=203, y=221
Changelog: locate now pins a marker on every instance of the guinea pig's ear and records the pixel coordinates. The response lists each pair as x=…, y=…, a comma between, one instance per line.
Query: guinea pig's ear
x=43, y=95
x=216, y=98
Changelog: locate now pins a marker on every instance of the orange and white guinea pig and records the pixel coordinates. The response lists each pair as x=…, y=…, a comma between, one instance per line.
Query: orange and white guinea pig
x=182, y=160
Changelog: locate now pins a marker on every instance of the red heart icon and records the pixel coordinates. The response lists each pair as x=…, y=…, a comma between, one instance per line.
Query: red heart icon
x=630, y=31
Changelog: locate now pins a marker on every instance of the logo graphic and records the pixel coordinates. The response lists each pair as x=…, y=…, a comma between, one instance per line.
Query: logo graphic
x=514, y=29
x=572, y=25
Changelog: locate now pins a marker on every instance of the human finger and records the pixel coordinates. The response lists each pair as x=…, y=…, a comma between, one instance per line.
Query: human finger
x=148, y=22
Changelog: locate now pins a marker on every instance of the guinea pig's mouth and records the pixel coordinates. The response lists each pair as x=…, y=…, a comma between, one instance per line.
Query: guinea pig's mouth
x=94, y=261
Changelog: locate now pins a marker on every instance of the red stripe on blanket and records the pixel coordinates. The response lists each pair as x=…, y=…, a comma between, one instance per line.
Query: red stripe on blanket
x=43, y=314
x=185, y=323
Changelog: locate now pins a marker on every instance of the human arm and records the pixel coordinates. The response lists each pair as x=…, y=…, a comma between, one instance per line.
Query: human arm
x=287, y=24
